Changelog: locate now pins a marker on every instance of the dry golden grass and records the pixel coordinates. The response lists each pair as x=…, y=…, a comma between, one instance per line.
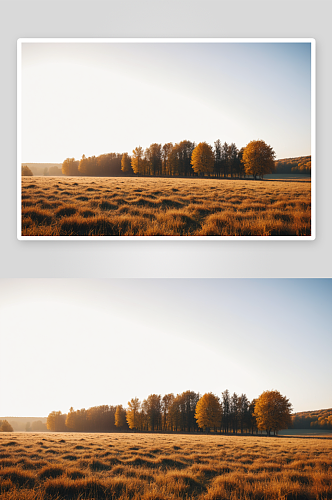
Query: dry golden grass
x=94, y=206
x=160, y=467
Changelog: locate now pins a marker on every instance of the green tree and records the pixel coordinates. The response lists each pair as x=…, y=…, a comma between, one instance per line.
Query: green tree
x=126, y=164
x=202, y=159
x=272, y=412
x=258, y=159
x=208, y=412
x=26, y=171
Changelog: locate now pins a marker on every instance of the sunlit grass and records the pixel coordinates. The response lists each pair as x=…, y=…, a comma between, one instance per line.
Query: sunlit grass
x=94, y=206
x=156, y=466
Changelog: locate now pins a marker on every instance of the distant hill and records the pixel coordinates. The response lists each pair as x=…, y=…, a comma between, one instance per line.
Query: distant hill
x=298, y=165
x=316, y=419
x=44, y=168
x=19, y=423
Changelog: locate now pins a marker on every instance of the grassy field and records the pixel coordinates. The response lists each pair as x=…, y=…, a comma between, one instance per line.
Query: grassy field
x=161, y=467
x=94, y=206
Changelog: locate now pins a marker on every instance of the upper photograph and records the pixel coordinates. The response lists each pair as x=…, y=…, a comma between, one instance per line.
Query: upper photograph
x=166, y=139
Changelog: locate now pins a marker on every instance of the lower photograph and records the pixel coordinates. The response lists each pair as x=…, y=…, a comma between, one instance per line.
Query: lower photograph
x=156, y=389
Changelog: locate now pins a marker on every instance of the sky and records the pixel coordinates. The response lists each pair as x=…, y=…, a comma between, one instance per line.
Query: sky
x=95, y=98
x=85, y=342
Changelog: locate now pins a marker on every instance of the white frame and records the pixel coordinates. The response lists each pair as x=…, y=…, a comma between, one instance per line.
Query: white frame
x=312, y=41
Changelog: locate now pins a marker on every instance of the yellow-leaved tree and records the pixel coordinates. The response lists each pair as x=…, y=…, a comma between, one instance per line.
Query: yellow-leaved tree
x=120, y=416
x=258, y=159
x=56, y=421
x=208, y=412
x=202, y=159
x=132, y=413
x=126, y=164
x=272, y=412
x=136, y=160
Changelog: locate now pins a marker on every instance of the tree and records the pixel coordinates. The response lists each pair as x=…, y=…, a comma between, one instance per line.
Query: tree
x=153, y=411
x=217, y=158
x=38, y=426
x=165, y=154
x=126, y=164
x=154, y=160
x=272, y=412
x=202, y=159
x=26, y=171
x=70, y=167
x=239, y=164
x=258, y=159
x=120, y=416
x=234, y=412
x=226, y=403
x=243, y=412
x=166, y=404
x=225, y=153
x=56, y=421
x=5, y=426
x=54, y=170
x=233, y=156
x=136, y=160
x=208, y=411
x=132, y=413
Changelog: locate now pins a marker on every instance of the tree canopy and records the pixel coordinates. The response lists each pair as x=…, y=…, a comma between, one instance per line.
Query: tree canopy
x=208, y=411
x=126, y=163
x=120, y=416
x=202, y=159
x=132, y=413
x=258, y=159
x=272, y=412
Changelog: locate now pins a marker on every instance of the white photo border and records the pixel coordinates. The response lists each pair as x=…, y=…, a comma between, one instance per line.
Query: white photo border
x=312, y=41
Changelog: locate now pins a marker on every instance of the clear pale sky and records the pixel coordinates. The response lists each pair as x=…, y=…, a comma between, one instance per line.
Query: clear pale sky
x=85, y=98
x=82, y=343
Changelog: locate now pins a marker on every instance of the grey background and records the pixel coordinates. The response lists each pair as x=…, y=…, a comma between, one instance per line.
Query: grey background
x=159, y=18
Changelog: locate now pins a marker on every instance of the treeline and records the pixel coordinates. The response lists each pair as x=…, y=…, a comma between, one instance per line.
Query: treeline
x=320, y=419
x=186, y=412
x=42, y=169
x=159, y=160
x=175, y=160
x=36, y=426
x=107, y=165
x=300, y=165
